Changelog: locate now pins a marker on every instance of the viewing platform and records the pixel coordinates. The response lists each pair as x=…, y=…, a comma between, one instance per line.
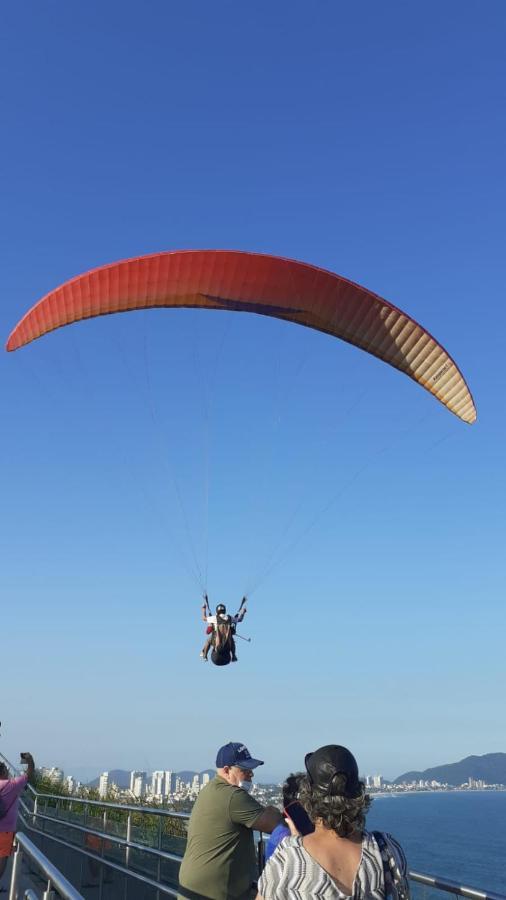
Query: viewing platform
x=81, y=848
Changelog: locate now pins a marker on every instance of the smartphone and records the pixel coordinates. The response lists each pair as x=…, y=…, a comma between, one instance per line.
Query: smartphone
x=299, y=817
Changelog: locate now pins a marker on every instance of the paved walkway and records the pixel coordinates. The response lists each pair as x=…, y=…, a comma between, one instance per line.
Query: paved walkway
x=29, y=880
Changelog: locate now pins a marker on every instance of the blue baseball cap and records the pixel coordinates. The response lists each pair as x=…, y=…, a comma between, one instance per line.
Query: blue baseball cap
x=236, y=755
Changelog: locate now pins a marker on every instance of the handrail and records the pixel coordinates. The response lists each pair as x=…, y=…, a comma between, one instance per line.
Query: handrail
x=55, y=878
x=453, y=887
x=159, y=886
x=129, y=807
x=442, y=884
x=106, y=836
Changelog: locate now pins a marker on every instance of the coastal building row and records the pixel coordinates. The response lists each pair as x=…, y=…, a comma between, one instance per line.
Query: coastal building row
x=161, y=785
x=165, y=785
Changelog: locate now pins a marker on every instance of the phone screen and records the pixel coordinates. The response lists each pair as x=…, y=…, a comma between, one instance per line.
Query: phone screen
x=299, y=817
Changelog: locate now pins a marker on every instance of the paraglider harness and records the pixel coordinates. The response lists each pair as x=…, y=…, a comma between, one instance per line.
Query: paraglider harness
x=222, y=635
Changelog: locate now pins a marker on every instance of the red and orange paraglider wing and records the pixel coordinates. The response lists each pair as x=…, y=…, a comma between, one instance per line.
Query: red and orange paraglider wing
x=267, y=285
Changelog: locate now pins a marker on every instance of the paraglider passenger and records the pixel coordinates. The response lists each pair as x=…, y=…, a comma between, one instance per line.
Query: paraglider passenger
x=221, y=629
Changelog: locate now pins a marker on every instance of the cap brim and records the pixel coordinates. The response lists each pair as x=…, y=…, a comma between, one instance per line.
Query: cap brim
x=250, y=763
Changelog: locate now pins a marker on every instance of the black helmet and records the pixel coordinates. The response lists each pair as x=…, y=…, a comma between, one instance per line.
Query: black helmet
x=220, y=609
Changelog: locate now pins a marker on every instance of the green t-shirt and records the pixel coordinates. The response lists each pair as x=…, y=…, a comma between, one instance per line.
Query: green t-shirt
x=220, y=861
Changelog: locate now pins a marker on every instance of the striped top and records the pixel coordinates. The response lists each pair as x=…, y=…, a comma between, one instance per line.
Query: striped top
x=292, y=873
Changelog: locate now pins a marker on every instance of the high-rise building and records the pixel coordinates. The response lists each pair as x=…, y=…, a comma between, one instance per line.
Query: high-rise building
x=54, y=774
x=140, y=785
x=103, y=785
x=158, y=784
x=169, y=782
x=205, y=778
x=137, y=783
x=377, y=781
x=70, y=784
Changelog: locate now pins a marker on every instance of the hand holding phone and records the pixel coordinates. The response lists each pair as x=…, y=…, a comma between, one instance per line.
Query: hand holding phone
x=296, y=812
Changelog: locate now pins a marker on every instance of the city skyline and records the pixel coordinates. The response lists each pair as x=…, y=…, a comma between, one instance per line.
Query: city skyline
x=163, y=781
x=166, y=786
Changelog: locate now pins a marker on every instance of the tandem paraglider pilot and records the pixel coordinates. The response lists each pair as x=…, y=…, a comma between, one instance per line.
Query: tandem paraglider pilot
x=221, y=631
x=220, y=860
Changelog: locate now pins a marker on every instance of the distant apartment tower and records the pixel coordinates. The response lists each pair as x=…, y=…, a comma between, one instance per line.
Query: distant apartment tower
x=70, y=784
x=377, y=781
x=169, y=782
x=54, y=774
x=476, y=783
x=205, y=778
x=158, y=784
x=103, y=785
x=137, y=783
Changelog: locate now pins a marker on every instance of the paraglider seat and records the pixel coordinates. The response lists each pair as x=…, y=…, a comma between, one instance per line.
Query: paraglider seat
x=221, y=658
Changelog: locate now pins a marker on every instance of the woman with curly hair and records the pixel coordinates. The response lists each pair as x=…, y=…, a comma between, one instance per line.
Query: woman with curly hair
x=340, y=859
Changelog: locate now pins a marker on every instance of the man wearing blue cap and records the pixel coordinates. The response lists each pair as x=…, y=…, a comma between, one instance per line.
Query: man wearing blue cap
x=220, y=860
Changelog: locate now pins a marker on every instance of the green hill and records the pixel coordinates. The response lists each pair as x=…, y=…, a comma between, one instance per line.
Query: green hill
x=490, y=768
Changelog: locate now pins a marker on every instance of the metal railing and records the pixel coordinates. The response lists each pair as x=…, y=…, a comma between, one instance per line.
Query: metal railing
x=453, y=887
x=53, y=877
x=138, y=842
x=146, y=844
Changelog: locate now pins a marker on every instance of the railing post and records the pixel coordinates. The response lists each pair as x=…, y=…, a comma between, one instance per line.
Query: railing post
x=129, y=838
x=35, y=809
x=159, y=866
x=261, y=853
x=101, y=881
x=16, y=869
x=127, y=850
x=49, y=894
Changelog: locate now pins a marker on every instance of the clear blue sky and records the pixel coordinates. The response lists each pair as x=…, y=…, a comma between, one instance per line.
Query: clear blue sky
x=366, y=138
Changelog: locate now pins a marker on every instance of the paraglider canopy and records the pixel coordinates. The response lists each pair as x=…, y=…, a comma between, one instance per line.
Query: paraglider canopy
x=256, y=283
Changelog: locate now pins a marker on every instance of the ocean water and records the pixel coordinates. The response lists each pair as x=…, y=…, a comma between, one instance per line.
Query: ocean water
x=459, y=835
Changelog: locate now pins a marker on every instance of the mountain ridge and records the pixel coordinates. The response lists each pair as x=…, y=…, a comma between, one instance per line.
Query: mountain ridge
x=490, y=767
